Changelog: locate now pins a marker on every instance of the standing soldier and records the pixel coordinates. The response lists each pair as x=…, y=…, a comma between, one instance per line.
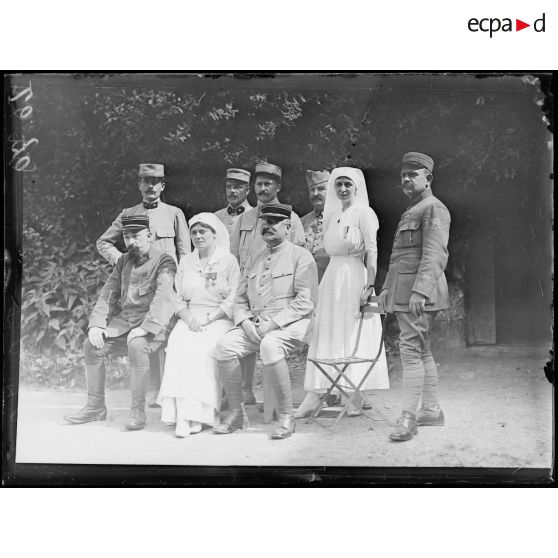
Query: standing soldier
x=313, y=221
x=246, y=240
x=416, y=289
x=169, y=233
x=237, y=186
x=166, y=222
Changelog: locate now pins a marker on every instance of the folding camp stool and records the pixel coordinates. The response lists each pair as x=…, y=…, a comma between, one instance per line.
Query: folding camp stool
x=340, y=366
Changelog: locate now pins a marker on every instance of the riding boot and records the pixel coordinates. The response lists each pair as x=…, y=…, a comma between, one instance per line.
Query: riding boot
x=278, y=374
x=248, y=368
x=229, y=371
x=95, y=408
x=140, y=376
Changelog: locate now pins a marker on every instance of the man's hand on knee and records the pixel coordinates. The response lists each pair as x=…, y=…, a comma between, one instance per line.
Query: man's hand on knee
x=251, y=331
x=96, y=337
x=265, y=327
x=136, y=332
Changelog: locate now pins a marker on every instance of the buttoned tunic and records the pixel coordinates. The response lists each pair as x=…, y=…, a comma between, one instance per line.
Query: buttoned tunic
x=137, y=294
x=246, y=238
x=281, y=284
x=166, y=223
x=420, y=256
x=314, y=233
x=230, y=219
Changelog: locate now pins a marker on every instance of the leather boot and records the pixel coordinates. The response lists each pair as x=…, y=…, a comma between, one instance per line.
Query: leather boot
x=229, y=371
x=95, y=408
x=91, y=412
x=137, y=417
x=248, y=368
x=237, y=420
x=139, y=388
x=430, y=416
x=285, y=428
x=405, y=428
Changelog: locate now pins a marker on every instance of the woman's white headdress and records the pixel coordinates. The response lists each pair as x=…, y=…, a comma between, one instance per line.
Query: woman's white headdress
x=332, y=203
x=221, y=232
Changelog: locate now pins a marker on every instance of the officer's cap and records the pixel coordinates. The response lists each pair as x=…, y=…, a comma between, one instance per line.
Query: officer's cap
x=239, y=174
x=135, y=222
x=280, y=211
x=268, y=168
x=152, y=169
x=413, y=158
x=313, y=178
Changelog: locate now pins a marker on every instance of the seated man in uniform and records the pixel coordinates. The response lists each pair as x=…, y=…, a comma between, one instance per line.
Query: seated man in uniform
x=246, y=241
x=313, y=221
x=132, y=317
x=168, y=227
x=237, y=186
x=273, y=310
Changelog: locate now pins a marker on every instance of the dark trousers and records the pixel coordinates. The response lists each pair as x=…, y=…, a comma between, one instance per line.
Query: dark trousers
x=138, y=351
x=420, y=374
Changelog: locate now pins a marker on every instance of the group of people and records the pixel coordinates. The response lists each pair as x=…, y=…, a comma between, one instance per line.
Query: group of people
x=262, y=280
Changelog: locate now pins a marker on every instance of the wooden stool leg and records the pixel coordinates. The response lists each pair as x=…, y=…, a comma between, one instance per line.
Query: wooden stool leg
x=270, y=400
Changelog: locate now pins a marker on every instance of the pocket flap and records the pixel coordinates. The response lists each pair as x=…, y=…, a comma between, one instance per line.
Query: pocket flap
x=165, y=233
x=408, y=267
x=281, y=273
x=144, y=289
x=410, y=226
x=251, y=273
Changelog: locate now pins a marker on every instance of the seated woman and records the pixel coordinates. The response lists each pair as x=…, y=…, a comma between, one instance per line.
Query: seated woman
x=350, y=228
x=206, y=284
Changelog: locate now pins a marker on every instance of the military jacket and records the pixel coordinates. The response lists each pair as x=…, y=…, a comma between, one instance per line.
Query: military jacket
x=230, y=219
x=419, y=256
x=166, y=223
x=137, y=294
x=279, y=283
x=314, y=233
x=246, y=238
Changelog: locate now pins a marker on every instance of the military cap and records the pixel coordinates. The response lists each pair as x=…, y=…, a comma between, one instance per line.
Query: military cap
x=313, y=178
x=239, y=174
x=268, y=168
x=280, y=210
x=135, y=222
x=152, y=169
x=418, y=159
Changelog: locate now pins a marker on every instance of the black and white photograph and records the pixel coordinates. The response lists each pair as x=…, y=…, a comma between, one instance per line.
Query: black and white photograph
x=280, y=269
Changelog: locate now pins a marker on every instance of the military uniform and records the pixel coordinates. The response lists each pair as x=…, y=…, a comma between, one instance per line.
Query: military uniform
x=280, y=284
x=246, y=239
x=138, y=293
x=419, y=256
x=417, y=265
x=229, y=215
x=166, y=222
x=314, y=232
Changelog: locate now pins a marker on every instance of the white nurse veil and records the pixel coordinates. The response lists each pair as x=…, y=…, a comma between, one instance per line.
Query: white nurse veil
x=333, y=203
x=221, y=232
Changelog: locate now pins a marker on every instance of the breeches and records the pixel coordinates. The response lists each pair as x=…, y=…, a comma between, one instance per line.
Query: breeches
x=420, y=374
x=138, y=350
x=274, y=346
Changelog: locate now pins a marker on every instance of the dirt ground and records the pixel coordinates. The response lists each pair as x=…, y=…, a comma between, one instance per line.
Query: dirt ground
x=497, y=402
